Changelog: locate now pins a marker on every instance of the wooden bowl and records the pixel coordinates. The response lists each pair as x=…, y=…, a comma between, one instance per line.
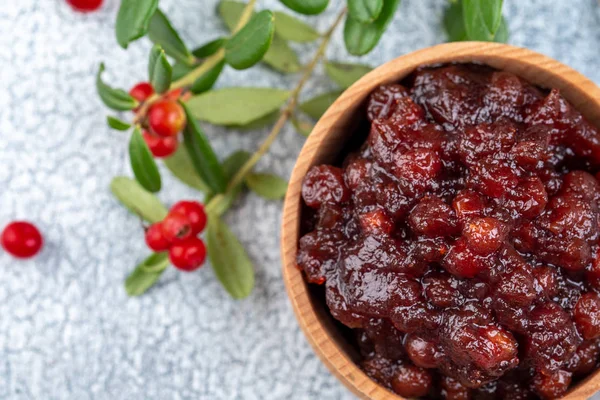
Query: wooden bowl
x=327, y=141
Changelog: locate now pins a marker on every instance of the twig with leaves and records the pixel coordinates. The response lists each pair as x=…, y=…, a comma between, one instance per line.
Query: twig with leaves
x=179, y=94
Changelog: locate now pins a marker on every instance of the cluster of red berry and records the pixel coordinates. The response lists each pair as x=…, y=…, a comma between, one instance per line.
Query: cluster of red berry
x=178, y=234
x=165, y=120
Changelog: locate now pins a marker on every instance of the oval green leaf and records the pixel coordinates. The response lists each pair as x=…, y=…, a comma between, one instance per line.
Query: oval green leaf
x=365, y=11
x=236, y=106
x=207, y=81
x=279, y=56
x=307, y=7
x=161, y=32
x=291, y=28
x=249, y=45
x=482, y=18
x=133, y=20
x=345, y=74
x=268, y=186
x=502, y=32
x=145, y=275
x=202, y=154
x=137, y=199
x=360, y=38
x=159, y=70
x=142, y=163
x=117, y=124
x=229, y=260
x=317, y=106
x=117, y=99
x=181, y=166
x=209, y=48
x=454, y=23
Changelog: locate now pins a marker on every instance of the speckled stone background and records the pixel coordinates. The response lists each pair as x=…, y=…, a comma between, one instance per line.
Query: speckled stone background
x=67, y=329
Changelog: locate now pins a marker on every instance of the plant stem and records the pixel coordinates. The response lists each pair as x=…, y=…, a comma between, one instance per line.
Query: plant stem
x=208, y=64
x=285, y=115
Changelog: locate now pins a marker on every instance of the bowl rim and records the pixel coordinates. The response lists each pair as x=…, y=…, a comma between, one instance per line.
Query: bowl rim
x=533, y=66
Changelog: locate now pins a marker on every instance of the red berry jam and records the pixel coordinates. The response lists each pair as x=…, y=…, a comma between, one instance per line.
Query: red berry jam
x=460, y=242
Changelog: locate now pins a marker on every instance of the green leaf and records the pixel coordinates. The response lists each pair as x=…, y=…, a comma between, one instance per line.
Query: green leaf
x=181, y=166
x=160, y=71
x=249, y=45
x=303, y=127
x=317, y=106
x=345, y=74
x=146, y=274
x=502, y=32
x=291, y=28
x=454, y=22
x=269, y=186
x=161, y=32
x=307, y=7
x=137, y=199
x=117, y=99
x=260, y=123
x=365, y=10
x=143, y=164
x=202, y=155
x=117, y=124
x=209, y=48
x=229, y=259
x=234, y=162
x=360, y=38
x=133, y=20
x=236, y=106
x=207, y=81
x=482, y=18
x=279, y=56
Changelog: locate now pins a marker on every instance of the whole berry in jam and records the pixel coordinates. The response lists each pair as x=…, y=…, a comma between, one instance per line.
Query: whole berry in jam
x=155, y=239
x=141, y=91
x=411, y=381
x=587, y=315
x=176, y=227
x=166, y=118
x=194, y=211
x=85, y=5
x=188, y=255
x=21, y=239
x=160, y=147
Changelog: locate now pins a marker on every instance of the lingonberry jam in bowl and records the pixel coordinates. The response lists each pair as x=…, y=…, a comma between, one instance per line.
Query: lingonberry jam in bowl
x=452, y=245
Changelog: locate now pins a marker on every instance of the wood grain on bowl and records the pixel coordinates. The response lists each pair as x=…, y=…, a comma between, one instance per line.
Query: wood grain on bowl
x=327, y=141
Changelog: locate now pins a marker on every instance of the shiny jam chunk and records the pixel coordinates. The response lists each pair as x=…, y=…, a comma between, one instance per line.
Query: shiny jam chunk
x=460, y=241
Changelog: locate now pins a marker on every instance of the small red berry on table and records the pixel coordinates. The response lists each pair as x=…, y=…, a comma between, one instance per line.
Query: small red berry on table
x=188, y=255
x=195, y=213
x=21, y=239
x=160, y=146
x=155, y=238
x=85, y=5
x=141, y=91
x=176, y=227
x=166, y=118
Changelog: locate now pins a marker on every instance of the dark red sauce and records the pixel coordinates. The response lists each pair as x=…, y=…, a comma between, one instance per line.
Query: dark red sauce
x=460, y=242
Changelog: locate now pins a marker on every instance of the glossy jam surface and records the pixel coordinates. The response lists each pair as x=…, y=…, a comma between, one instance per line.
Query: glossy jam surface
x=460, y=242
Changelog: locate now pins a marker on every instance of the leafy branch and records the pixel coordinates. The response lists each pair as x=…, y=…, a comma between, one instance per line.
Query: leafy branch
x=180, y=82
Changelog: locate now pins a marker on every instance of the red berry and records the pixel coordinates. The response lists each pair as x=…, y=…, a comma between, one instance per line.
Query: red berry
x=160, y=146
x=176, y=228
x=141, y=91
x=21, y=239
x=188, y=255
x=155, y=239
x=166, y=118
x=85, y=5
x=194, y=211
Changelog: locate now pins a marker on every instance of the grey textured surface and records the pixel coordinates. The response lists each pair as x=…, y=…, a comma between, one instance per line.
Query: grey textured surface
x=67, y=329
